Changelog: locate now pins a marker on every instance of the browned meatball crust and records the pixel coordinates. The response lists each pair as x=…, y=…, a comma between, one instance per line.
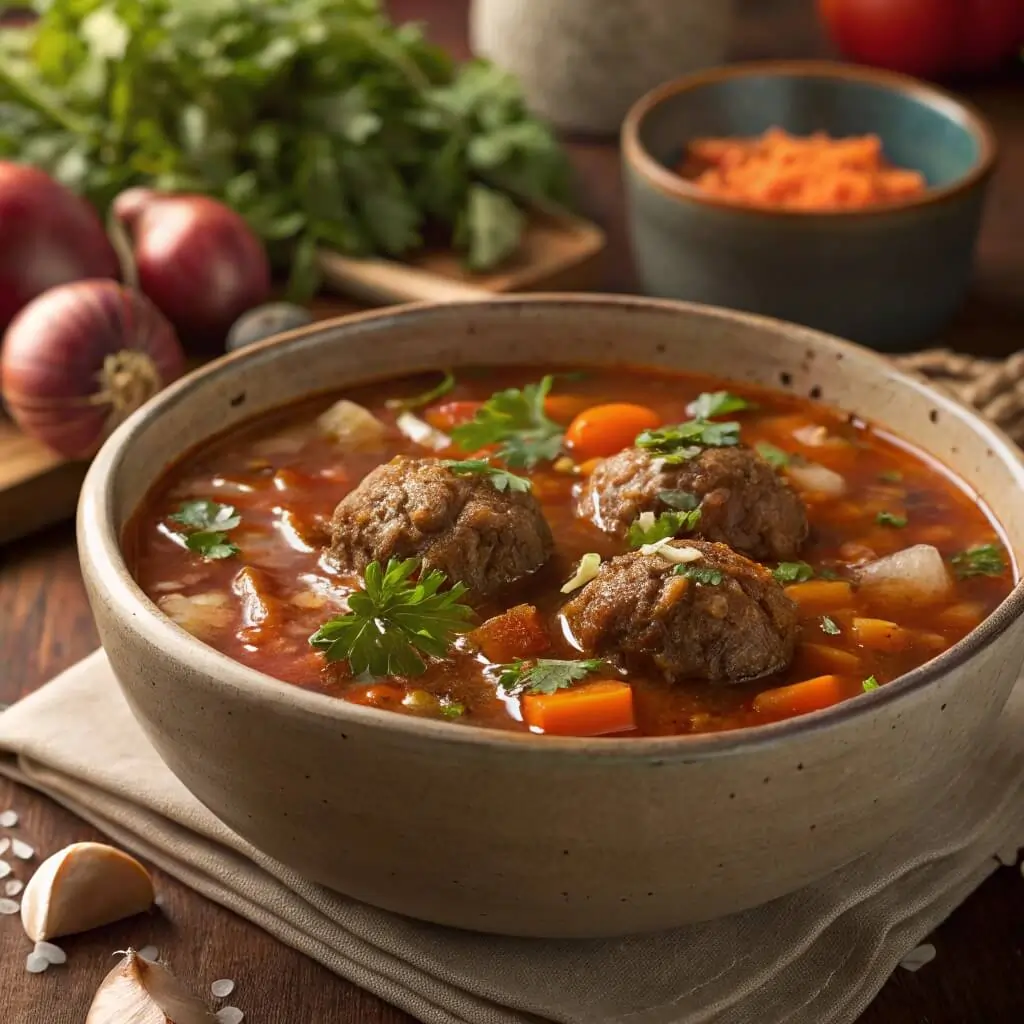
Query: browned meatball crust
x=461, y=525
x=743, y=502
x=642, y=610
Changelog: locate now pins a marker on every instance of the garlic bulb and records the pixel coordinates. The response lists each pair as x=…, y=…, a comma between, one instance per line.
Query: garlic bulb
x=139, y=992
x=84, y=886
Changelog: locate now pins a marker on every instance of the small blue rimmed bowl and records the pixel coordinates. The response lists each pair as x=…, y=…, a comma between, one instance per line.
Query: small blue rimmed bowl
x=890, y=276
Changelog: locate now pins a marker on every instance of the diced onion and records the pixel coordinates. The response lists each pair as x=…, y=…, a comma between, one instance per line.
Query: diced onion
x=916, y=574
x=668, y=551
x=645, y=520
x=352, y=426
x=422, y=433
x=588, y=568
x=811, y=477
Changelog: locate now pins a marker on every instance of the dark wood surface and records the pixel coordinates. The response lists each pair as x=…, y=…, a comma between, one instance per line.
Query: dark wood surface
x=45, y=625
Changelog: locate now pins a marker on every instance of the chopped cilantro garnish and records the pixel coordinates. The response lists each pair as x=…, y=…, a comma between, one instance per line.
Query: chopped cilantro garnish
x=546, y=675
x=980, y=560
x=775, y=457
x=828, y=626
x=869, y=684
x=684, y=441
x=394, y=619
x=891, y=476
x=514, y=420
x=709, y=404
x=792, y=572
x=649, y=529
x=426, y=398
x=891, y=519
x=699, y=574
x=502, y=479
x=207, y=524
x=682, y=500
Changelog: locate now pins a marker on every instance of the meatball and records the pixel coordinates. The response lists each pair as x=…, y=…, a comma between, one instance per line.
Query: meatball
x=461, y=525
x=743, y=502
x=720, y=617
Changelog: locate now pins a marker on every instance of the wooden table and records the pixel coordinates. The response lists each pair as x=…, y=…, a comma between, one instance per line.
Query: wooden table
x=45, y=626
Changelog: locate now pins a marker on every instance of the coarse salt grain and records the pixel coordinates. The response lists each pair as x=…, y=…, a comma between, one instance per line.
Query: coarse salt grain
x=8, y=819
x=150, y=953
x=5, y=869
x=222, y=988
x=13, y=886
x=22, y=850
x=918, y=957
x=51, y=953
x=36, y=964
x=8, y=907
x=230, y=1015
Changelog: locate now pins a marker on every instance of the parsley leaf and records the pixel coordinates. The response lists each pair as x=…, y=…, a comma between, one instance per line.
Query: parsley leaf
x=649, y=530
x=207, y=524
x=684, y=441
x=699, y=574
x=980, y=560
x=869, y=684
x=545, y=675
x=792, y=572
x=514, y=420
x=775, y=457
x=709, y=404
x=393, y=620
x=828, y=626
x=682, y=500
x=891, y=519
x=424, y=399
x=502, y=479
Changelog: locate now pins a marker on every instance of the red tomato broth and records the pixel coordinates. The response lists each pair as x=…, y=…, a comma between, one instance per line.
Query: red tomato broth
x=285, y=477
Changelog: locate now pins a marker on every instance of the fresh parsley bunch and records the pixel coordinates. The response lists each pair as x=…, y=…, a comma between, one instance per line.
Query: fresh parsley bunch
x=318, y=120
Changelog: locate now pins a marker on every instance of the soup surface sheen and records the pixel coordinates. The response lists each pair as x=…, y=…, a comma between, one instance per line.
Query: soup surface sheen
x=256, y=583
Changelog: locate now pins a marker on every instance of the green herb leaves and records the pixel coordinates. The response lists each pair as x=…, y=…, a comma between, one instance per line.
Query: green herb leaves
x=502, y=479
x=426, y=398
x=829, y=626
x=515, y=421
x=648, y=529
x=709, y=404
x=682, y=500
x=980, y=560
x=321, y=123
x=545, y=675
x=393, y=620
x=869, y=684
x=775, y=457
x=699, y=574
x=684, y=441
x=206, y=527
x=891, y=519
x=792, y=572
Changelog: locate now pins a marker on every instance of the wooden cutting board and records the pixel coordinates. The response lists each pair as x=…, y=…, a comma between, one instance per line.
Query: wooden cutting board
x=38, y=488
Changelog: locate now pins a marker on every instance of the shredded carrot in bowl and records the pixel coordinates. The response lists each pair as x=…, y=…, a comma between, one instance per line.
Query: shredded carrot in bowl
x=814, y=173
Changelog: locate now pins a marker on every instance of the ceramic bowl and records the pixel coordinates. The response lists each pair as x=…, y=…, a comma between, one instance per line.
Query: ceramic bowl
x=543, y=836
x=887, y=276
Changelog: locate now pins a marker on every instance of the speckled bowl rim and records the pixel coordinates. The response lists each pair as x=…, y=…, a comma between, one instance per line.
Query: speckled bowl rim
x=952, y=107
x=101, y=549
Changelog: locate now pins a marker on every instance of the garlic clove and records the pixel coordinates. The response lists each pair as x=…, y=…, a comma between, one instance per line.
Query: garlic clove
x=84, y=886
x=139, y=992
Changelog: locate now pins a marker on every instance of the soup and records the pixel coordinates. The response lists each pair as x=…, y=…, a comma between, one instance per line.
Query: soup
x=613, y=552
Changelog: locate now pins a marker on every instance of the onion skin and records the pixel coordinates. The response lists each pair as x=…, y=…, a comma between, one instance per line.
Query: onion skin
x=80, y=358
x=196, y=259
x=48, y=236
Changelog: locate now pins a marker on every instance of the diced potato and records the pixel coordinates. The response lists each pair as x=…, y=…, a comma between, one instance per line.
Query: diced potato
x=422, y=433
x=915, y=574
x=202, y=615
x=814, y=478
x=352, y=426
x=880, y=634
x=816, y=597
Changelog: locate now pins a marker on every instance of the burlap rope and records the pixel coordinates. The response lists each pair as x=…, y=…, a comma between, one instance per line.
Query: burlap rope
x=995, y=388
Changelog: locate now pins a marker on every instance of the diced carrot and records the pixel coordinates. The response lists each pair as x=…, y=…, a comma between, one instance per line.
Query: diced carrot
x=606, y=429
x=815, y=597
x=564, y=408
x=800, y=698
x=880, y=634
x=826, y=659
x=590, y=709
x=516, y=633
x=451, y=414
x=965, y=615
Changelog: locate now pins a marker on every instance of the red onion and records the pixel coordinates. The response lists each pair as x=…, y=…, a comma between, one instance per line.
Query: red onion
x=80, y=358
x=48, y=236
x=196, y=259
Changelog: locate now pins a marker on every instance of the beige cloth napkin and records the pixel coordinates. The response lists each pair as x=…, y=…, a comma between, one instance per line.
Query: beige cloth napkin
x=817, y=957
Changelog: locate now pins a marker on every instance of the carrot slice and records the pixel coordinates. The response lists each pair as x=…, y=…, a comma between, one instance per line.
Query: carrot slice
x=606, y=429
x=816, y=597
x=590, y=709
x=800, y=698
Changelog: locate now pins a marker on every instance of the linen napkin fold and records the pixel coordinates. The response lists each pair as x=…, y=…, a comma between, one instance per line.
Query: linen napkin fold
x=816, y=957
